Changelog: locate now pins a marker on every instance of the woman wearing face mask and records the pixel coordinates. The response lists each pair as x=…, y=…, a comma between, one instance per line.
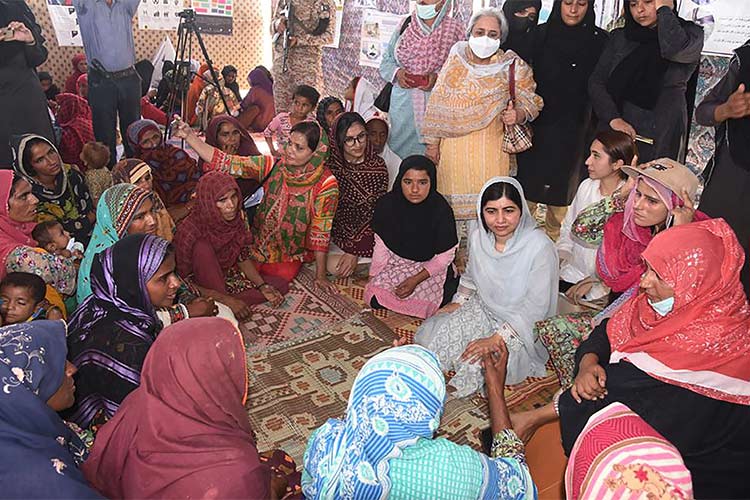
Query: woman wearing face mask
x=676, y=354
x=363, y=178
x=566, y=49
x=469, y=108
x=639, y=85
x=213, y=249
x=415, y=243
x=509, y=284
x=412, y=62
x=522, y=16
x=293, y=221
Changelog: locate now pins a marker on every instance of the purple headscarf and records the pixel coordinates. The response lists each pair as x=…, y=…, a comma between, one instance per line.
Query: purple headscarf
x=259, y=77
x=111, y=331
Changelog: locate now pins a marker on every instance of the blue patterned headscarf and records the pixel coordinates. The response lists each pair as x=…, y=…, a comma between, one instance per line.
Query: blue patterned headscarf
x=396, y=399
x=37, y=450
x=114, y=213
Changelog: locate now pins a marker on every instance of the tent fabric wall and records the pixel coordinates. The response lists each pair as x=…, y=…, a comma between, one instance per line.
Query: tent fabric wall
x=244, y=49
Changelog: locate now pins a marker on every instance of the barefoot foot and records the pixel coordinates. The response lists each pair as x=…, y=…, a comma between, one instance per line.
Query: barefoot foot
x=399, y=342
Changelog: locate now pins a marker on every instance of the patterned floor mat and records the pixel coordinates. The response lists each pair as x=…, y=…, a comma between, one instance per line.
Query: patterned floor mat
x=305, y=311
x=296, y=385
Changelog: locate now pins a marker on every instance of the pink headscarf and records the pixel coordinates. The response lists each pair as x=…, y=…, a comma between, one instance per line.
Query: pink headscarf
x=184, y=432
x=13, y=234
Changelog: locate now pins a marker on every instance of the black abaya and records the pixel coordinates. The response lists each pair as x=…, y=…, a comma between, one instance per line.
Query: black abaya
x=712, y=436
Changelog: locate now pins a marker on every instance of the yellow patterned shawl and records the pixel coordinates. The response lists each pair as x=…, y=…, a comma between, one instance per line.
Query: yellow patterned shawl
x=468, y=96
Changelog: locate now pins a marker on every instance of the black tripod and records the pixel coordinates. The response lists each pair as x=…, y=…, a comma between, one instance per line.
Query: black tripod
x=180, y=81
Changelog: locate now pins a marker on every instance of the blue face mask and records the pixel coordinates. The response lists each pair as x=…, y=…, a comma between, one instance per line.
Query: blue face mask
x=663, y=307
x=426, y=12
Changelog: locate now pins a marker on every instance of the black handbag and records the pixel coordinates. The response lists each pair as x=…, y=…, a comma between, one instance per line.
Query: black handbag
x=383, y=100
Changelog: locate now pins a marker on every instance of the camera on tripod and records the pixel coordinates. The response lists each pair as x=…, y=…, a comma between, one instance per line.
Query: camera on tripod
x=187, y=15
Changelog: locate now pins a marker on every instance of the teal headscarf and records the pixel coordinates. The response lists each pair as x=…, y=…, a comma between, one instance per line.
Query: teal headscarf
x=114, y=213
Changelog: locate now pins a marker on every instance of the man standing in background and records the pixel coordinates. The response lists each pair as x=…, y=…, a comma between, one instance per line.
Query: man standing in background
x=114, y=85
x=312, y=25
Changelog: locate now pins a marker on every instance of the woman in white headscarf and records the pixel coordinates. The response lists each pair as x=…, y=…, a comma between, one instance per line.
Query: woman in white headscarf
x=510, y=283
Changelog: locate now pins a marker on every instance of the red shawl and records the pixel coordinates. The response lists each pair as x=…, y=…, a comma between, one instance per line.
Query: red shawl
x=704, y=344
x=206, y=223
x=618, y=262
x=247, y=148
x=74, y=117
x=184, y=433
x=360, y=187
x=71, y=84
x=12, y=234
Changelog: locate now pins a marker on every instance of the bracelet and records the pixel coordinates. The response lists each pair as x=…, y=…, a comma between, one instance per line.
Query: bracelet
x=556, y=401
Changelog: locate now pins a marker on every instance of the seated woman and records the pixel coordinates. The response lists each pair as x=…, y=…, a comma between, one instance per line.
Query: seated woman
x=228, y=134
x=257, y=108
x=619, y=455
x=18, y=251
x=329, y=108
x=80, y=67
x=74, y=118
x=123, y=209
x=659, y=194
x=213, y=248
x=610, y=151
x=210, y=103
x=112, y=330
x=384, y=447
x=676, y=354
x=184, y=433
x=138, y=173
x=415, y=243
x=175, y=173
x=40, y=454
x=293, y=222
x=363, y=178
x=469, y=109
x=60, y=189
x=510, y=283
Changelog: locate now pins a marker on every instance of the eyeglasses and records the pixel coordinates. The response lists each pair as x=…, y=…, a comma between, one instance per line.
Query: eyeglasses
x=349, y=141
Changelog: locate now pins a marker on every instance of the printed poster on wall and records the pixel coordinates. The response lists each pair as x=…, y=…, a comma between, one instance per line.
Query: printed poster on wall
x=339, y=20
x=377, y=29
x=64, y=20
x=159, y=14
x=214, y=17
x=726, y=23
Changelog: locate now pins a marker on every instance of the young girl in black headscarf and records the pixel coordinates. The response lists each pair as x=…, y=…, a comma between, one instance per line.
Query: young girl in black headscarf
x=640, y=83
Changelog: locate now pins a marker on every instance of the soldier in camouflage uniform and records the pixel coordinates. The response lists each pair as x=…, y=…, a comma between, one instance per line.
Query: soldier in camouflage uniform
x=313, y=23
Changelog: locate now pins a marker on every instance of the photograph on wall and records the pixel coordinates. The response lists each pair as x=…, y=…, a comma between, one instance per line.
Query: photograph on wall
x=339, y=22
x=377, y=29
x=64, y=20
x=214, y=17
x=159, y=14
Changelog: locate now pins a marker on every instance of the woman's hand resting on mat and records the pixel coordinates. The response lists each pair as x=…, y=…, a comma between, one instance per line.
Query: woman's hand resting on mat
x=272, y=295
x=590, y=383
x=239, y=308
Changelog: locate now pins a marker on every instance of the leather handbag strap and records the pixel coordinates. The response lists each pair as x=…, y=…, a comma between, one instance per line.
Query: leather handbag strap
x=512, y=81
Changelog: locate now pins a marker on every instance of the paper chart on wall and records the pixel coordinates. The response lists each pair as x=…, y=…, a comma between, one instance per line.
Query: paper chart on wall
x=339, y=15
x=159, y=14
x=214, y=16
x=726, y=23
x=377, y=29
x=64, y=20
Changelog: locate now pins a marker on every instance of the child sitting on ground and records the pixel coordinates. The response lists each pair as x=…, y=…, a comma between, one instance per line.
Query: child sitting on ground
x=51, y=236
x=304, y=100
x=95, y=157
x=22, y=296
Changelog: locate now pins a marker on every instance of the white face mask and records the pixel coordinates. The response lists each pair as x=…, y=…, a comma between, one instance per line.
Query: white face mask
x=426, y=12
x=483, y=46
x=663, y=307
